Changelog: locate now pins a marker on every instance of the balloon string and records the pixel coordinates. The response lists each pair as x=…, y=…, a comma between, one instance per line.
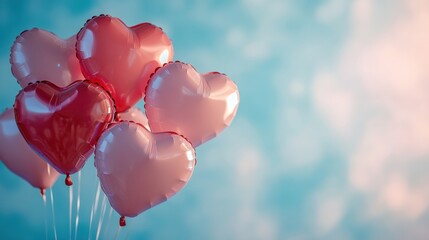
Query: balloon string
x=97, y=200
x=118, y=230
x=100, y=220
x=43, y=192
x=46, y=215
x=107, y=228
x=53, y=213
x=97, y=197
x=126, y=229
x=77, y=205
x=70, y=210
x=94, y=209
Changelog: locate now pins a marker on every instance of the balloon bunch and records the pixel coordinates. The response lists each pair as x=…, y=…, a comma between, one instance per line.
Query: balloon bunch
x=78, y=98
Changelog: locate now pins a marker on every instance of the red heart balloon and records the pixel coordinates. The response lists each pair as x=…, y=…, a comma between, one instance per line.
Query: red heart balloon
x=139, y=169
x=121, y=58
x=38, y=55
x=197, y=106
x=63, y=124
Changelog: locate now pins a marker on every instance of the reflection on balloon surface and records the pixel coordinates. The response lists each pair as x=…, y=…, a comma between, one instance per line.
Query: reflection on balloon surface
x=63, y=124
x=139, y=169
x=121, y=58
x=197, y=106
x=38, y=55
x=20, y=158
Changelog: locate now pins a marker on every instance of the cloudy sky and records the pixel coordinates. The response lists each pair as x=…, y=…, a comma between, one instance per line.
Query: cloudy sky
x=331, y=140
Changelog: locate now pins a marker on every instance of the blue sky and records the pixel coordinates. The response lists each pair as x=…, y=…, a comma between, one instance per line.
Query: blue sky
x=331, y=136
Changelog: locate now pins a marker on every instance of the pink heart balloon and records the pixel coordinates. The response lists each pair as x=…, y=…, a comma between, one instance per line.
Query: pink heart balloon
x=134, y=114
x=138, y=169
x=63, y=124
x=197, y=106
x=20, y=158
x=121, y=58
x=38, y=55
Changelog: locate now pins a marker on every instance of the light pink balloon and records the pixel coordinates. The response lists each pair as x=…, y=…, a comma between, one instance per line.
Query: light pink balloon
x=138, y=169
x=20, y=158
x=38, y=55
x=134, y=114
x=197, y=106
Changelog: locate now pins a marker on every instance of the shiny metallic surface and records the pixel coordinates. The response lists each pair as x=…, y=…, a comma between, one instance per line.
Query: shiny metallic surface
x=39, y=55
x=139, y=169
x=63, y=124
x=121, y=58
x=20, y=158
x=197, y=106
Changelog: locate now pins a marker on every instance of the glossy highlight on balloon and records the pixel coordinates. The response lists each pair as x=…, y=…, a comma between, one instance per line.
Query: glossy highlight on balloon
x=63, y=124
x=197, y=106
x=39, y=55
x=139, y=169
x=20, y=158
x=121, y=58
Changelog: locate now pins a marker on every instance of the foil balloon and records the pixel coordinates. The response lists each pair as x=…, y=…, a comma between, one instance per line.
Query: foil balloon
x=197, y=106
x=63, y=124
x=38, y=55
x=139, y=169
x=121, y=58
x=20, y=158
x=134, y=114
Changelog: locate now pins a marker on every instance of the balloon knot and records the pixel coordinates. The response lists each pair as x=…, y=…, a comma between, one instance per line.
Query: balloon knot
x=122, y=222
x=42, y=192
x=68, y=180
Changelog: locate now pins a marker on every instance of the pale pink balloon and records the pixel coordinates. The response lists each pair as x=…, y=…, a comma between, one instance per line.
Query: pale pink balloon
x=134, y=114
x=197, y=106
x=18, y=156
x=121, y=58
x=138, y=169
x=38, y=55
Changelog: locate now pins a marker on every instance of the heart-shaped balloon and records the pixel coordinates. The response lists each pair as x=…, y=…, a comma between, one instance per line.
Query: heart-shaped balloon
x=138, y=169
x=63, y=124
x=197, y=106
x=121, y=58
x=38, y=55
x=20, y=158
x=134, y=114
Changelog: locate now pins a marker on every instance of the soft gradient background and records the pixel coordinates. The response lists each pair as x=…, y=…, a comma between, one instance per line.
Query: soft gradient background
x=331, y=140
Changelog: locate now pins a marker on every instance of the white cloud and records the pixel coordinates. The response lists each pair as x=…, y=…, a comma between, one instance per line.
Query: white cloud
x=228, y=185
x=329, y=205
x=264, y=39
x=250, y=170
x=335, y=102
x=330, y=10
x=362, y=11
x=376, y=98
x=300, y=150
